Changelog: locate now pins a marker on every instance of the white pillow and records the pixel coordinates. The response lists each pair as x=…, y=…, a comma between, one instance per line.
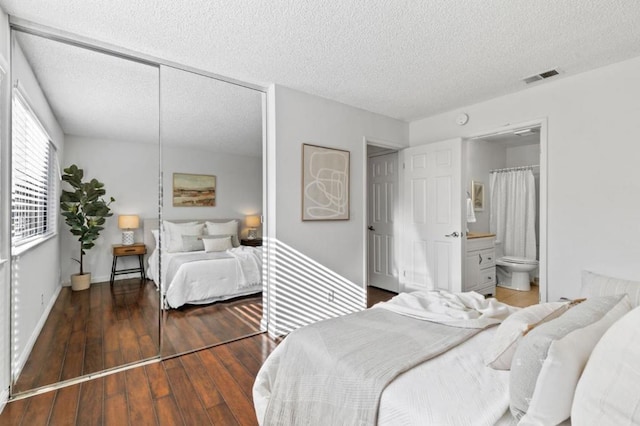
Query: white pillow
x=602, y=285
x=156, y=236
x=549, y=360
x=223, y=229
x=192, y=243
x=175, y=231
x=607, y=392
x=500, y=351
x=217, y=244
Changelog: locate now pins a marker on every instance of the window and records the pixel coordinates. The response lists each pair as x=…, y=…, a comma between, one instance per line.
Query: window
x=34, y=195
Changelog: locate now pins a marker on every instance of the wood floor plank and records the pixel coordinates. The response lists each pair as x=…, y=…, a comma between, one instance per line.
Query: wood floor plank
x=115, y=411
x=239, y=373
x=14, y=412
x=222, y=415
x=201, y=381
x=168, y=412
x=74, y=358
x=238, y=402
x=192, y=410
x=91, y=404
x=39, y=409
x=141, y=407
x=158, y=380
x=65, y=406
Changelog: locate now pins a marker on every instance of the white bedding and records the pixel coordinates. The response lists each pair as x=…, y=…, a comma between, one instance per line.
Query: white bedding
x=228, y=274
x=454, y=388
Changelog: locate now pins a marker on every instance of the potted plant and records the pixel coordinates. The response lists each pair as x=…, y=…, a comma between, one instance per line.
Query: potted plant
x=85, y=211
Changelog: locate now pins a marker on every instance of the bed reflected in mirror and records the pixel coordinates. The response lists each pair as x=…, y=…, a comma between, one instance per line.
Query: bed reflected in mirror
x=204, y=263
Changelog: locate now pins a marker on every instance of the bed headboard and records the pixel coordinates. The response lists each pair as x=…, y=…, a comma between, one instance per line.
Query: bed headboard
x=150, y=224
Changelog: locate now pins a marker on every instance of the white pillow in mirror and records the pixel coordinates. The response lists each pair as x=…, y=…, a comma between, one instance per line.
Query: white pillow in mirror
x=217, y=244
x=224, y=228
x=175, y=231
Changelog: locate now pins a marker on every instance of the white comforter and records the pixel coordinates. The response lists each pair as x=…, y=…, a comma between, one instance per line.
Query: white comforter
x=227, y=274
x=454, y=388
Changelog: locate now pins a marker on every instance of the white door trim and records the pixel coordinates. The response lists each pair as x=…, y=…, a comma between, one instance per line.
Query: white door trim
x=543, y=208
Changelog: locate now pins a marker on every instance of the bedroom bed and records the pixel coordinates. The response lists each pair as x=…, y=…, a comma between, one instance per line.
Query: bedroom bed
x=195, y=266
x=541, y=365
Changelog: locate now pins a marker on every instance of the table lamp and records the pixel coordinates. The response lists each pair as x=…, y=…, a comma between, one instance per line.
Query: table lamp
x=128, y=222
x=253, y=222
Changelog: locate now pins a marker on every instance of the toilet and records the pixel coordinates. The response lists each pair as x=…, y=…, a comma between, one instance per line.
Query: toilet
x=513, y=272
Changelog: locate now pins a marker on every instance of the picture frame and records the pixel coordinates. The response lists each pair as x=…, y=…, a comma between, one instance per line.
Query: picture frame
x=325, y=183
x=477, y=195
x=194, y=190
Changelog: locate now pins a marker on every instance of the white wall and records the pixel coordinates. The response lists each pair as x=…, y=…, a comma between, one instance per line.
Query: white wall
x=238, y=183
x=593, y=172
x=129, y=172
x=35, y=272
x=315, y=258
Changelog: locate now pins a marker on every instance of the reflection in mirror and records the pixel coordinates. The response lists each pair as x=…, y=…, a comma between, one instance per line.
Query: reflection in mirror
x=99, y=112
x=209, y=269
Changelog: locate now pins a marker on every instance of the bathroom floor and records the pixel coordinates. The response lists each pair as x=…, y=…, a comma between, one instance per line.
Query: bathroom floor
x=518, y=298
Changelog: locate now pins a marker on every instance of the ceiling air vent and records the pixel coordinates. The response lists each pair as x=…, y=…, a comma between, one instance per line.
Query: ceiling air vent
x=540, y=76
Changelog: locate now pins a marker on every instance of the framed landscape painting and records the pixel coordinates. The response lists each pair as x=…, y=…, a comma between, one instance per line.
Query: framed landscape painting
x=190, y=190
x=325, y=183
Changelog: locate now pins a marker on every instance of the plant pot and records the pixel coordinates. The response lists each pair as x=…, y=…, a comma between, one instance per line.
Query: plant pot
x=80, y=282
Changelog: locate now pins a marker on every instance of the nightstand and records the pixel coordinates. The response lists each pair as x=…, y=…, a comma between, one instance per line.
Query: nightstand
x=256, y=242
x=119, y=250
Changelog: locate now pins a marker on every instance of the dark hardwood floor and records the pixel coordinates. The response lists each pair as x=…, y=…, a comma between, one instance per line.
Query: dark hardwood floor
x=211, y=386
x=375, y=295
x=105, y=327
x=92, y=330
x=197, y=326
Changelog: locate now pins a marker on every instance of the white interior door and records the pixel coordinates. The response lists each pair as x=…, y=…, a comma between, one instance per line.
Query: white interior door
x=433, y=231
x=382, y=206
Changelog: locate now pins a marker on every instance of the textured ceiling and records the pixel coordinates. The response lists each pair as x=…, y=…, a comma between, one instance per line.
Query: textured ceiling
x=405, y=59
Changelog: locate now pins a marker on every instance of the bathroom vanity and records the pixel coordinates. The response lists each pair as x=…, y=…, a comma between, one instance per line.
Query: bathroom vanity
x=480, y=264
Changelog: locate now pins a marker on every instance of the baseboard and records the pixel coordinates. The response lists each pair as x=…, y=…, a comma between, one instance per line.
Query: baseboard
x=26, y=351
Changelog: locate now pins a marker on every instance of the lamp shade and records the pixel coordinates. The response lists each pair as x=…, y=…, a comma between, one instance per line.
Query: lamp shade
x=128, y=221
x=253, y=221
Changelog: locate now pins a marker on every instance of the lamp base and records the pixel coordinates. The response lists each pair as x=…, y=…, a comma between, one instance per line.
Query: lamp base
x=127, y=238
x=252, y=235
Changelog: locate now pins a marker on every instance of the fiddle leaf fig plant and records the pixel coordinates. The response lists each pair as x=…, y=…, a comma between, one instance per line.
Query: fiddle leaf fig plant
x=84, y=209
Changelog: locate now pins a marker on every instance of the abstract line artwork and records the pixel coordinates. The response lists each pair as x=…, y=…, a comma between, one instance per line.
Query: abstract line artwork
x=325, y=183
x=194, y=190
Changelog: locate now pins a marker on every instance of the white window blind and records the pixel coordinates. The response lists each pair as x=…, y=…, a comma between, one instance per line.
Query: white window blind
x=34, y=182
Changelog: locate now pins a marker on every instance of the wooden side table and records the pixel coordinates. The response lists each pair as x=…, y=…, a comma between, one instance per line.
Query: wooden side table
x=120, y=250
x=256, y=242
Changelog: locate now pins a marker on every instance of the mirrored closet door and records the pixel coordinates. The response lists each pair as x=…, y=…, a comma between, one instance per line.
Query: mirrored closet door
x=99, y=112
x=210, y=263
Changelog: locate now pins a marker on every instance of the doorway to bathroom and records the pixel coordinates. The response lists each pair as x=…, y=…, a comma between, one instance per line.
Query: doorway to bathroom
x=519, y=148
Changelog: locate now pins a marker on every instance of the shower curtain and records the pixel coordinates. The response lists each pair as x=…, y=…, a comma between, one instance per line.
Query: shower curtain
x=512, y=214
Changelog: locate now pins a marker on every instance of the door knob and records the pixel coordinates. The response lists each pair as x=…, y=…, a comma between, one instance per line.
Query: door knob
x=371, y=228
x=454, y=234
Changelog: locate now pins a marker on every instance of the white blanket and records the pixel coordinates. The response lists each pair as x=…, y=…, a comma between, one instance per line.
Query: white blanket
x=334, y=371
x=196, y=278
x=468, y=310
